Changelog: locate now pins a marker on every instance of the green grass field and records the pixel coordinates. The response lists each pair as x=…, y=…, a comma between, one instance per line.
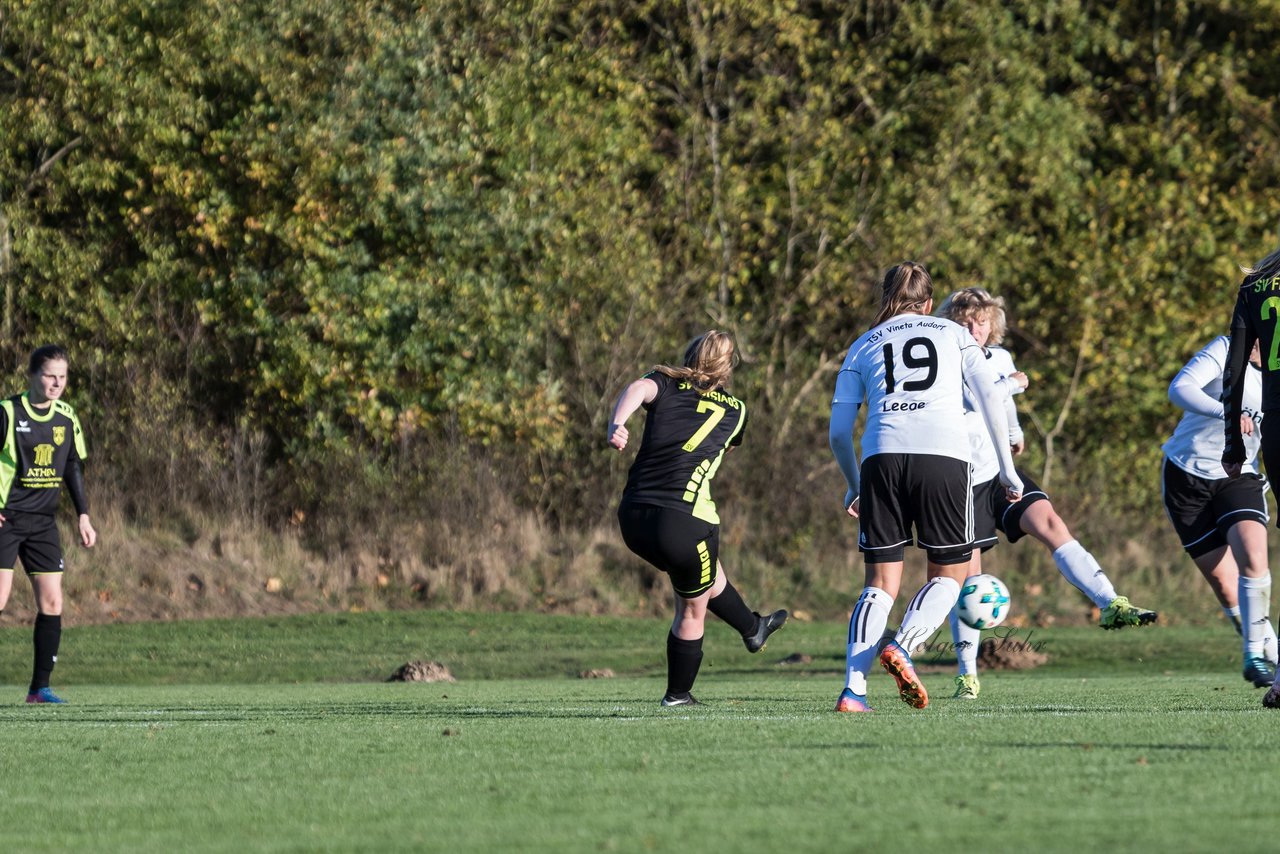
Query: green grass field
x=277, y=735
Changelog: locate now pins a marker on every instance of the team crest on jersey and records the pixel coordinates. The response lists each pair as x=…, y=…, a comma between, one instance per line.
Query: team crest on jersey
x=59, y=434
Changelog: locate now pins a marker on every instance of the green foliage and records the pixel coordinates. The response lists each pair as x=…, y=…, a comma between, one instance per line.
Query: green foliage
x=360, y=228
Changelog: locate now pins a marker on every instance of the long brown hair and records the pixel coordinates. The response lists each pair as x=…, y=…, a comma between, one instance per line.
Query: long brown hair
x=709, y=361
x=906, y=288
x=967, y=302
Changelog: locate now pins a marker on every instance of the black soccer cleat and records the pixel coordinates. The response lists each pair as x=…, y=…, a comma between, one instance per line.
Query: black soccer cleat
x=765, y=626
x=683, y=700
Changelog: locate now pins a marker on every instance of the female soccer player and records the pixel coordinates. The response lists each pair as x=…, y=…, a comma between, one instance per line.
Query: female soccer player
x=1254, y=321
x=983, y=316
x=667, y=516
x=43, y=447
x=1222, y=521
x=914, y=474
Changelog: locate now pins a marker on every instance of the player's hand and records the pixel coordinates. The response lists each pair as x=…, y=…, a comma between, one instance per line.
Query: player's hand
x=1017, y=448
x=1021, y=379
x=618, y=436
x=2, y=519
x=1246, y=425
x=1232, y=469
x=851, y=503
x=88, y=536
x=1012, y=489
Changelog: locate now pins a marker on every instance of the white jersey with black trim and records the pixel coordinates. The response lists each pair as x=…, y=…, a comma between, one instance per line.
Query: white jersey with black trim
x=986, y=465
x=910, y=370
x=1198, y=441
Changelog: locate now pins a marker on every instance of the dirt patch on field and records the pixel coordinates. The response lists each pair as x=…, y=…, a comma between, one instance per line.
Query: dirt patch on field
x=422, y=671
x=1007, y=654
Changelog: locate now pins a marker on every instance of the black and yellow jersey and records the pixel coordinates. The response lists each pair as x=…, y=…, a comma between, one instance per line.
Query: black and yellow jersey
x=686, y=433
x=41, y=448
x=1256, y=317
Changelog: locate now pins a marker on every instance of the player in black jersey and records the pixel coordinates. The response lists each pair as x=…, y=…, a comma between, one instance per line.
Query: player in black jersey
x=667, y=516
x=43, y=447
x=1256, y=316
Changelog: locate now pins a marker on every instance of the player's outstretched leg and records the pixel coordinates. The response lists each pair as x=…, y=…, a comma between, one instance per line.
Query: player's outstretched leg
x=754, y=628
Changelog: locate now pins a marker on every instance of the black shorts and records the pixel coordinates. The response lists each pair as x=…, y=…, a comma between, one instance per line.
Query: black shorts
x=929, y=492
x=682, y=546
x=32, y=537
x=1203, y=510
x=992, y=511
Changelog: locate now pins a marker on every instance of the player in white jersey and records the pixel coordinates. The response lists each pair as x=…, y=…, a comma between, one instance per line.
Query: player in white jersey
x=1222, y=521
x=983, y=316
x=911, y=369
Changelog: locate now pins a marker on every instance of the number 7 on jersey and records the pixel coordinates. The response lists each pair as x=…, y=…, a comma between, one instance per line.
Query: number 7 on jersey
x=717, y=412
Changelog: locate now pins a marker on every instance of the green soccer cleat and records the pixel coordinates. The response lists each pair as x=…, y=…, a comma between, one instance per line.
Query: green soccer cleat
x=1120, y=613
x=1259, y=671
x=967, y=687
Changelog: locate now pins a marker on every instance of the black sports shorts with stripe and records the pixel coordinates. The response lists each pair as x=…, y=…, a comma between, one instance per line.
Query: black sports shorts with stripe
x=1203, y=510
x=928, y=493
x=681, y=545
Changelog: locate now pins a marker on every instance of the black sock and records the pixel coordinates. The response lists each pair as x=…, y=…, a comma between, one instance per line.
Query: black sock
x=47, y=636
x=729, y=607
x=684, y=657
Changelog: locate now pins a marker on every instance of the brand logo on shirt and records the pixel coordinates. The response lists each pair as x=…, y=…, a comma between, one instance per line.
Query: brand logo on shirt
x=59, y=435
x=23, y=427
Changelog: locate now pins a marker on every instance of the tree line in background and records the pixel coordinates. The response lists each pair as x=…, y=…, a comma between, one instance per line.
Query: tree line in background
x=325, y=259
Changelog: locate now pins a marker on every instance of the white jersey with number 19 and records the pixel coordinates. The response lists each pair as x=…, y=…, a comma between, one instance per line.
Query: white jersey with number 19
x=911, y=370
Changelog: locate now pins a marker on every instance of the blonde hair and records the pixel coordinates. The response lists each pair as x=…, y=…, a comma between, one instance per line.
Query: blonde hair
x=709, y=361
x=906, y=288
x=1265, y=267
x=966, y=302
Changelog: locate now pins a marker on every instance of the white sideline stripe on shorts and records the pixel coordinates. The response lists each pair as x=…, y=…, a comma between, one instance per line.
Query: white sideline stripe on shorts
x=1005, y=515
x=1251, y=510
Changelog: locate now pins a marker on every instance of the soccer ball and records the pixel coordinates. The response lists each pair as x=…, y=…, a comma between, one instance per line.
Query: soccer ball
x=984, y=602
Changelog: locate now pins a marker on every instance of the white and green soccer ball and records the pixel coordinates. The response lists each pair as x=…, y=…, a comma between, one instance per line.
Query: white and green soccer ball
x=984, y=602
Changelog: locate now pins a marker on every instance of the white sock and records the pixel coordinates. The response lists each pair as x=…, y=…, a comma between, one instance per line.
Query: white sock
x=1079, y=567
x=866, y=625
x=1233, y=614
x=927, y=611
x=966, y=639
x=1255, y=608
x=1269, y=647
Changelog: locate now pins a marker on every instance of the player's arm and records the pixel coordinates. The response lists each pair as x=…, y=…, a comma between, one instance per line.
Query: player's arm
x=73, y=477
x=1014, y=383
x=1242, y=338
x=1187, y=390
x=640, y=392
x=844, y=414
x=4, y=431
x=987, y=397
x=840, y=437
